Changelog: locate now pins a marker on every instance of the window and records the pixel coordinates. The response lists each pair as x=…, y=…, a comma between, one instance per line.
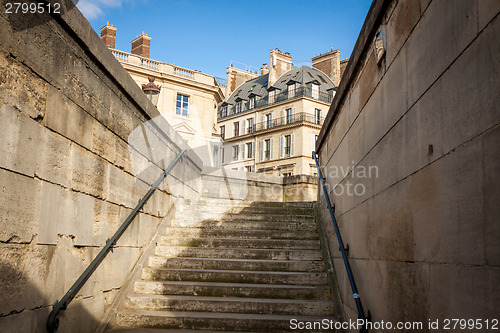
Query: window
x=315, y=91
x=288, y=116
x=291, y=90
x=250, y=150
x=287, y=145
x=251, y=102
x=181, y=107
x=224, y=111
x=236, y=152
x=317, y=116
x=248, y=168
x=286, y=174
x=222, y=155
x=238, y=107
x=249, y=125
x=267, y=149
x=223, y=132
x=314, y=138
x=237, y=128
x=271, y=96
x=269, y=120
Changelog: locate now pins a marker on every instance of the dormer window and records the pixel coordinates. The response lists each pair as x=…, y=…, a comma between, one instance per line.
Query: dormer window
x=251, y=102
x=238, y=106
x=315, y=91
x=291, y=90
x=224, y=111
x=271, y=96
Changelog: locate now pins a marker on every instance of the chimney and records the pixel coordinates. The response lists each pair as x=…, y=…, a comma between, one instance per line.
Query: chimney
x=108, y=35
x=140, y=45
x=235, y=77
x=264, y=69
x=329, y=63
x=279, y=63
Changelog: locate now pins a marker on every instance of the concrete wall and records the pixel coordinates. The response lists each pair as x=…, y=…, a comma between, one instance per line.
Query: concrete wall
x=424, y=234
x=68, y=173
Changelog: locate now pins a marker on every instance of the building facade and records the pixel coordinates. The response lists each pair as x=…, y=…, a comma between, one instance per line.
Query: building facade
x=270, y=123
x=188, y=99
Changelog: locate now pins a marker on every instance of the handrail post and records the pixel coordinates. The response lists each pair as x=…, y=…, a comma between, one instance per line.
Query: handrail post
x=354, y=288
x=52, y=320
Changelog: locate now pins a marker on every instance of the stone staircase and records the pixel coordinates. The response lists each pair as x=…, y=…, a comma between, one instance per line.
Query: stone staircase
x=251, y=269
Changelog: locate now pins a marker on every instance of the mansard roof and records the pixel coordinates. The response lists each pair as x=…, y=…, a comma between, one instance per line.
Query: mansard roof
x=259, y=86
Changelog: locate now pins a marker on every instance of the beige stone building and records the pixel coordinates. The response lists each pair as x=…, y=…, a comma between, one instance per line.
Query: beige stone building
x=270, y=123
x=188, y=99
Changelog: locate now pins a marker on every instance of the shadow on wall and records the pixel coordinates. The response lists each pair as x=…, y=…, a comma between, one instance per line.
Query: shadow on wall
x=25, y=308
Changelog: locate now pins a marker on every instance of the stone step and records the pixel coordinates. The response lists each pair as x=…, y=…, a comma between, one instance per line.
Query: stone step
x=267, y=217
x=224, y=289
x=160, y=330
x=305, y=244
x=230, y=304
x=246, y=225
x=237, y=264
x=215, y=321
x=295, y=278
x=237, y=253
x=240, y=233
x=266, y=210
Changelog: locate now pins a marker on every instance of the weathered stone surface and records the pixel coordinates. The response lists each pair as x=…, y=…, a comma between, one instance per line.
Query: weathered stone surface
x=89, y=172
x=20, y=202
x=53, y=158
x=426, y=60
x=76, y=125
x=18, y=139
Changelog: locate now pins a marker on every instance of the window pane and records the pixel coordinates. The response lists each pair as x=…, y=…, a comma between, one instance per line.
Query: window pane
x=185, y=99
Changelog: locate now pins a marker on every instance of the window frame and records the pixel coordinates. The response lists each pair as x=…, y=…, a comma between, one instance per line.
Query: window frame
x=184, y=105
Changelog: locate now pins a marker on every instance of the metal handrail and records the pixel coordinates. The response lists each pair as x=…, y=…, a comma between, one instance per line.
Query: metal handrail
x=52, y=320
x=354, y=288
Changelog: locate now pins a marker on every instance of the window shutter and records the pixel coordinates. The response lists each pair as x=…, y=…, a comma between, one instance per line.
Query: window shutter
x=271, y=154
x=281, y=146
x=313, y=143
x=292, y=144
x=261, y=150
x=283, y=114
x=242, y=152
x=253, y=148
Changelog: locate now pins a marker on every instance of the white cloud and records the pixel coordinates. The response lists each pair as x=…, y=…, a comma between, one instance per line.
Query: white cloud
x=92, y=9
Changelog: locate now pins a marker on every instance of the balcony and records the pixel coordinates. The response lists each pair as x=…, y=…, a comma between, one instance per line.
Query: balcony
x=229, y=110
x=287, y=120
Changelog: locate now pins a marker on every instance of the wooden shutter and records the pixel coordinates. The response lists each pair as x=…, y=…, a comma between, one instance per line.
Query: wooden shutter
x=282, y=138
x=292, y=144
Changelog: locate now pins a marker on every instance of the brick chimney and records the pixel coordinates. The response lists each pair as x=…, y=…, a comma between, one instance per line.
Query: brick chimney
x=279, y=63
x=108, y=35
x=264, y=69
x=235, y=77
x=140, y=45
x=329, y=63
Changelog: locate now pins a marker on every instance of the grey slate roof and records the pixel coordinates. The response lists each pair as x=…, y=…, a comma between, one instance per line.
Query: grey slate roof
x=259, y=86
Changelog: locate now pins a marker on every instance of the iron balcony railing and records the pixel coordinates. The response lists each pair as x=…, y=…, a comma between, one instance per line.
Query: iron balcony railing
x=344, y=251
x=229, y=110
x=282, y=121
x=52, y=320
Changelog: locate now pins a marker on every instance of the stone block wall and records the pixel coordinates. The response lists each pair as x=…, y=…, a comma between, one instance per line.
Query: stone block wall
x=68, y=173
x=423, y=225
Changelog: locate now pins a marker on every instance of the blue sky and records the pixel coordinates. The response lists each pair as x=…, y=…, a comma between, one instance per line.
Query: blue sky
x=208, y=35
